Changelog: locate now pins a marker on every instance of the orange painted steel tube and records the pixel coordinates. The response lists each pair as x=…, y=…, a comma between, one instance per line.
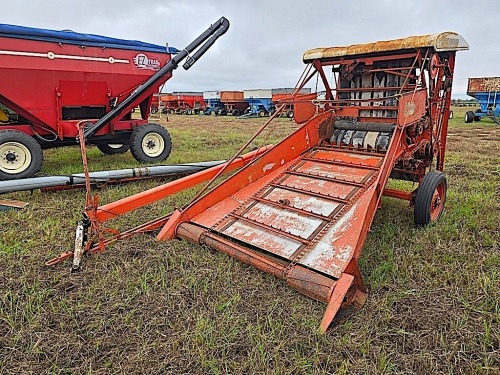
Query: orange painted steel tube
x=144, y=198
x=302, y=279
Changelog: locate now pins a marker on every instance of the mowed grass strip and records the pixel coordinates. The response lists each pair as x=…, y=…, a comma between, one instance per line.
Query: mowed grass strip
x=172, y=307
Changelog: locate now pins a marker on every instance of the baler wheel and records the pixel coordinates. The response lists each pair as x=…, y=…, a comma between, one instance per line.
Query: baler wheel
x=113, y=148
x=150, y=143
x=20, y=155
x=430, y=198
x=469, y=117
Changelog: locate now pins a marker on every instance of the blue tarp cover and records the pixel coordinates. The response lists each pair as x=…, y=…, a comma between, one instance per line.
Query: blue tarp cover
x=71, y=37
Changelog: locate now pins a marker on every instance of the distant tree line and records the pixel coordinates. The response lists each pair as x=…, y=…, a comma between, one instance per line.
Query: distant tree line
x=464, y=102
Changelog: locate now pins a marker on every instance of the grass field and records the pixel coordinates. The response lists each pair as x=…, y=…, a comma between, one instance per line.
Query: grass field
x=173, y=307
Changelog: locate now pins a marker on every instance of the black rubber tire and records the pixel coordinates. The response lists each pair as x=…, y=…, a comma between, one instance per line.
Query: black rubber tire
x=154, y=110
x=236, y=112
x=262, y=113
x=469, y=117
x=108, y=150
x=30, y=145
x=424, y=200
x=218, y=111
x=150, y=130
x=289, y=114
x=189, y=111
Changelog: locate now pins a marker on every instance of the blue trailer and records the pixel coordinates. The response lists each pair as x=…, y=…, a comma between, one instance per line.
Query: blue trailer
x=487, y=91
x=212, y=101
x=260, y=102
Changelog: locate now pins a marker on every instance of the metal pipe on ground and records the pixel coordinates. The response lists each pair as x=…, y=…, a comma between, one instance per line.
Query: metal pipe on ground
x=34, y=183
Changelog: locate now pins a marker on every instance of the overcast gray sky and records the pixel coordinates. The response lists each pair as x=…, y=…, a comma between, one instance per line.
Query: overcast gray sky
x=266, y=40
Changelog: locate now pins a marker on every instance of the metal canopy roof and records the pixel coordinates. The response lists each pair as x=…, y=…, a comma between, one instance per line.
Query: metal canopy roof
x=446, y=41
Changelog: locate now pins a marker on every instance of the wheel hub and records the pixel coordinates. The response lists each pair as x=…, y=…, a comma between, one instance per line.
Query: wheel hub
x=14, y=157
x=11, y=157
x=153, y=144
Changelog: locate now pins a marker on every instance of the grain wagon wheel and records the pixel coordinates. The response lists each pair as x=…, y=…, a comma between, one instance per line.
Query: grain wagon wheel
x=430, y=198
x=20, y=155
x=113, y=148
x=289, y=113
x=262, y=113
x=469, y=117
x=150, y=143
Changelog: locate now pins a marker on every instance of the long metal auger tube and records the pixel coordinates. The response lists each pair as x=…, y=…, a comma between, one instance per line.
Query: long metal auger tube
x=209, y=36
x=101, y=177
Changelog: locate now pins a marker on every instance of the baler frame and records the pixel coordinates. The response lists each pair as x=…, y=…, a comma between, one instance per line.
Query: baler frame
x=303, y=209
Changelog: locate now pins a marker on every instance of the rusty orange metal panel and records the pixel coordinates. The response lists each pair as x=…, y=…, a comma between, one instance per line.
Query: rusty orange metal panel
x=303, y=108
x=314, y=185
x=303, y=201
x=297, y=224
x=411, y=107
x=270, y=241
x=333, y=251
x=339, y=172
x=346, y=157
x=348, y=111
x=446, y=41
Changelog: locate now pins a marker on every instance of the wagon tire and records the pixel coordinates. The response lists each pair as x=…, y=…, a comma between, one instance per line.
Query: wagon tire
x=430, y=198
x=469, y=117
x=262, y=113
x=150, y=143
x=289, y=114
x=236, y=112
x=113, y=148
x=20, y=155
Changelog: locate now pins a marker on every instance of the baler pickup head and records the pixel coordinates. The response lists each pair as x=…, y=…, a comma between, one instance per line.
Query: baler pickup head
x=302, y=211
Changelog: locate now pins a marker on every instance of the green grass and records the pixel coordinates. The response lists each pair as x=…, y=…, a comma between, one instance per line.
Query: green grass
x=172, y=307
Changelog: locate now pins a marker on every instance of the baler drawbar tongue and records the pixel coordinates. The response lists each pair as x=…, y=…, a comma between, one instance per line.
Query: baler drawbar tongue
x=302, y=211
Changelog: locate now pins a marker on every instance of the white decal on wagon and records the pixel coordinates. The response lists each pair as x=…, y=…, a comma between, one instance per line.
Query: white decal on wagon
x=52, y=56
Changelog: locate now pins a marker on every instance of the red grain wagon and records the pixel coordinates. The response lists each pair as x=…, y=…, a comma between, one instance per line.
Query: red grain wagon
x=51, y=80
x=183, y=102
